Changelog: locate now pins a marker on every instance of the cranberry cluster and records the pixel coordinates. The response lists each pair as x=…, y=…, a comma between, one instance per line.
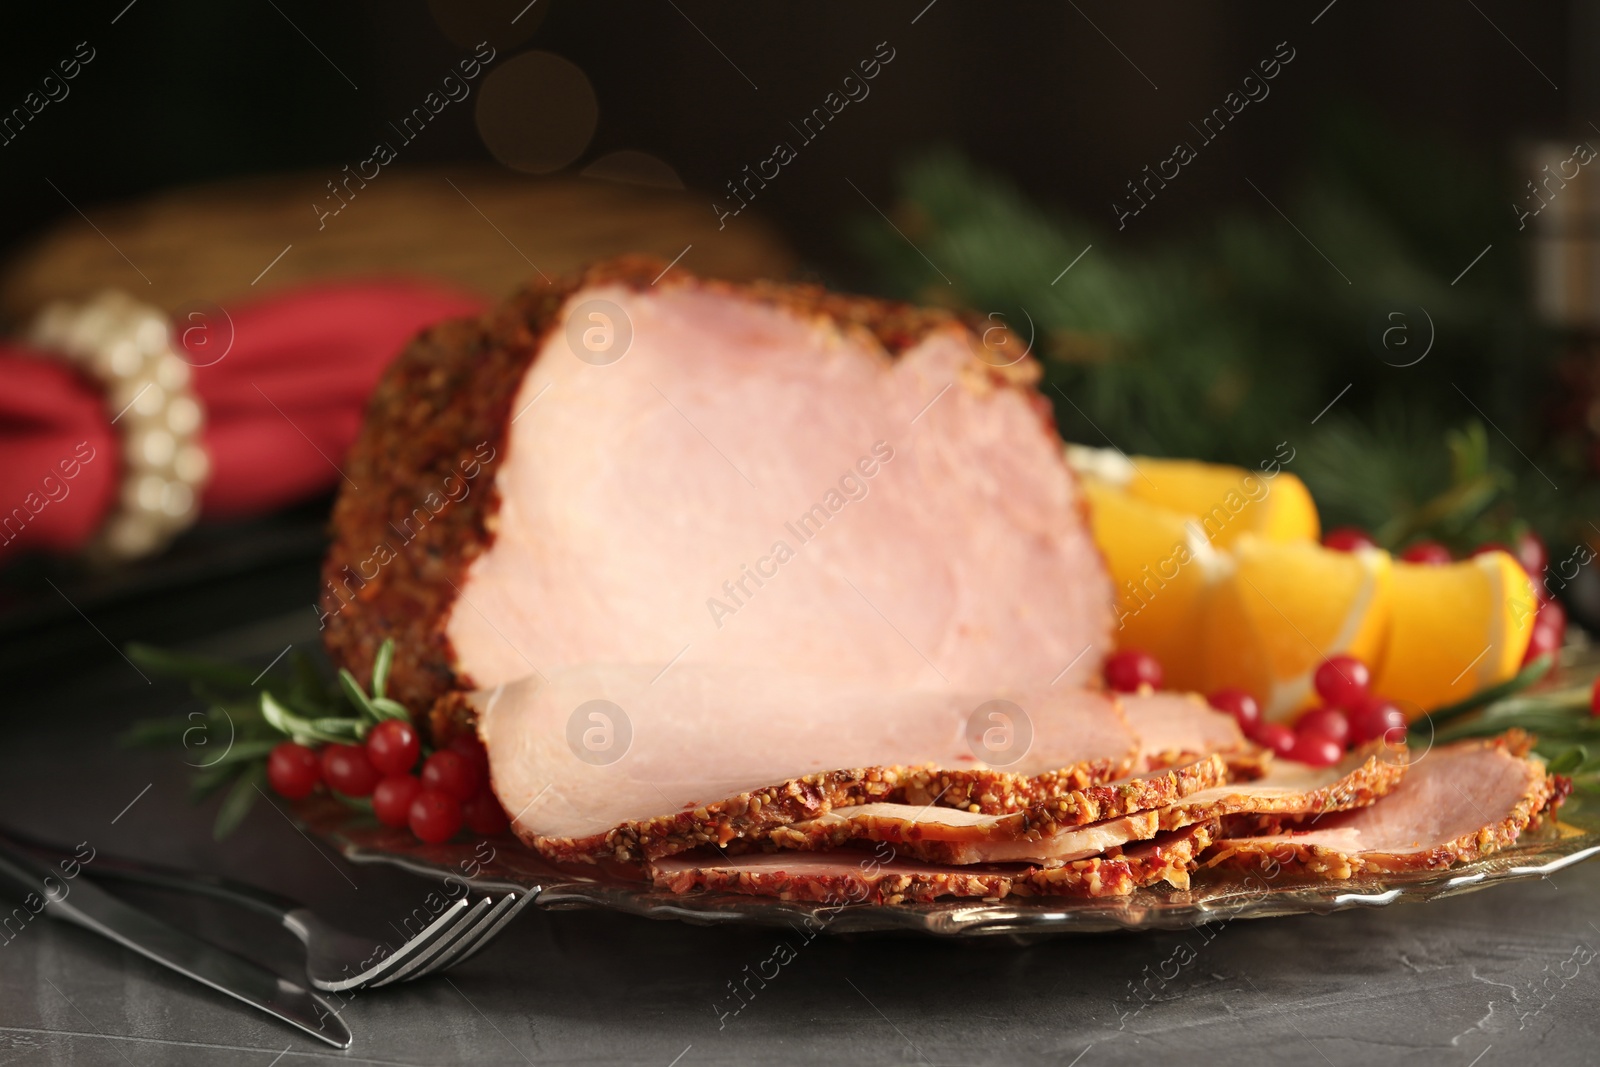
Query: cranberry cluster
x=1350, y=713
x=451, y=790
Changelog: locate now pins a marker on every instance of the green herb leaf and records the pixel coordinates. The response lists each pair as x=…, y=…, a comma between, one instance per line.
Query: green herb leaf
x=236, y=805
x=1490, y=694
x=341, y=728
x=193, y=668
x=380, y=667
x=307, y=731
x=1568, y=761
x=357, y=696
x=390, y=709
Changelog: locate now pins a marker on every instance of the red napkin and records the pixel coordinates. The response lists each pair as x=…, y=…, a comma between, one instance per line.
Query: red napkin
x=282, y=407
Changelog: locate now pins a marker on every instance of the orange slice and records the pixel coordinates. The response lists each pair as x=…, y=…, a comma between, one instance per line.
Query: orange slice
x=1227, y=502
x=1270, y=621
x=1456, y=628
x=1161, y=565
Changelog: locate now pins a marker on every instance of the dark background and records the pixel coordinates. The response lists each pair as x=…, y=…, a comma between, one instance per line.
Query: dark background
x=186, y=92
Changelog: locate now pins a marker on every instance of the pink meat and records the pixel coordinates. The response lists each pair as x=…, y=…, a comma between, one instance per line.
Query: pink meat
x=749, y=485
x=1172, y=726
x=1456, y=803
x=679, y=749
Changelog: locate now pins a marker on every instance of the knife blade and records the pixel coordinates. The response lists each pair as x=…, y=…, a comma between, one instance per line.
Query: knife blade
x=85, y=904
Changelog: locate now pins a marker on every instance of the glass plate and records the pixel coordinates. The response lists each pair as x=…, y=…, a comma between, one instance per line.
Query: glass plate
x=504, y=863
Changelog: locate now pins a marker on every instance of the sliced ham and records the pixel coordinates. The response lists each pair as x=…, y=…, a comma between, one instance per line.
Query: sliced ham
x=1037, y=836
x=852, y=876
x=1295, y=789
x=686, y=754
x=1456, y=804
x=935, y=831
x=1173, y=730
x=638, y=466
x=1177, y=727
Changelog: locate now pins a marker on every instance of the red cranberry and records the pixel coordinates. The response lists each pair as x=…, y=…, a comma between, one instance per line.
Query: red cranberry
x=1241, y=705
x=1347, y=539
x=347, y=770
x=1594, y=699
x=484, y=815
x=1549, y=630
x=1315, y=750
x=1276, y=736
x=391, y=799
x=393, y=746
x=434, y=816
x=1430, y=552
x=293, y=770
x=1532, y=553
x=1130, y=668
x=1342, y=681
x=1377, y=717
x=469, y=748
x=1329, y=722
x=449, y=773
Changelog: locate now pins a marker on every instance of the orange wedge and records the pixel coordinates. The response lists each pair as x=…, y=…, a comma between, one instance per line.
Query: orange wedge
x=1161, y=565
x=1270, y=621
x=1456, y=628
x=1227, y=502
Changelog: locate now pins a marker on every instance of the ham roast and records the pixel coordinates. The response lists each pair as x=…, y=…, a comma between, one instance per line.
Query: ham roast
x=638, y=466
x=765, y=589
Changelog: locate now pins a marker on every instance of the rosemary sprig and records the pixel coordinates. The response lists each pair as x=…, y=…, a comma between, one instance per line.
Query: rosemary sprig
x=1559, y=718
x=1528, y=676
x=255, y=713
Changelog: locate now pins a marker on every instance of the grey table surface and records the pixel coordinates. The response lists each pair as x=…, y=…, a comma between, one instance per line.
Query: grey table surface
x=1508, y=975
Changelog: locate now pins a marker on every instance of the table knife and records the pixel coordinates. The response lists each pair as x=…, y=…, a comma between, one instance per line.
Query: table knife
x=79, y=901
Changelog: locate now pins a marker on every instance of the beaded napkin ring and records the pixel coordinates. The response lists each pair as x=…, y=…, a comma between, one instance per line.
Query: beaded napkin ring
x=127, y=347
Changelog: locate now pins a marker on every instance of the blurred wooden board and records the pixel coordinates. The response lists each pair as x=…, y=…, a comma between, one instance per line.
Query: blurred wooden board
x=484, y=228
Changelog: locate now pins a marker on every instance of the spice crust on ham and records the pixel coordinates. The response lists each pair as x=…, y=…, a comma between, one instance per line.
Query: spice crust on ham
x=749, y=814
x=1457, y=804
x=935, y=832
x=1294, y=789
x=1082, y=793
x=1036, y=836
x=849, y=876
x=475, y=522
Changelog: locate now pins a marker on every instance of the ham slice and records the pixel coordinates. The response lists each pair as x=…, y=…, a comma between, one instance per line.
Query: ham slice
x=1456, y=804
x=850, y=876
x=637, y=466
x=1177, y=727
x=688, y=754
x=1038, y=837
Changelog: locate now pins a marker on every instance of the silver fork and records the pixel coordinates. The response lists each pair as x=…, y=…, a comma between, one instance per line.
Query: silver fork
x=336, y=961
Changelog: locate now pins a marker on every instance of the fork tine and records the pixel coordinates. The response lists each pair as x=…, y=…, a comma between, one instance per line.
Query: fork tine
x=441, y=927
x=491, y=923
x=421, y=958
x=524, y=899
